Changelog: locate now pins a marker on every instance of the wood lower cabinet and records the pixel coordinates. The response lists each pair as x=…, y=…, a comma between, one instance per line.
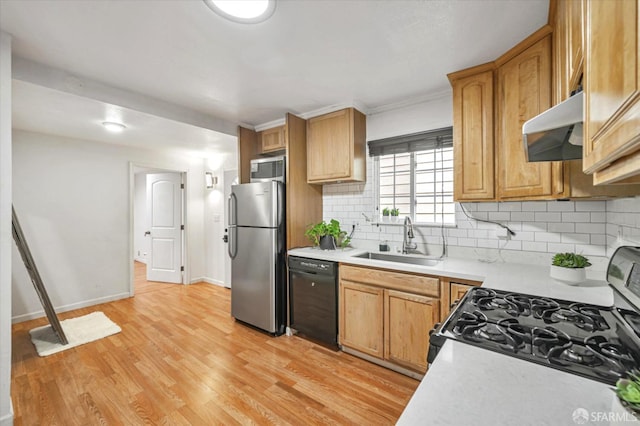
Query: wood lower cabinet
x=388, y=314
x=271, y=140
x=612, y=91
x=458, y=290
x=362, y=318
x=406, y=317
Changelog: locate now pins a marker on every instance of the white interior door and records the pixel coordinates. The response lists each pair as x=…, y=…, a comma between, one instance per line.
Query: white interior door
x=230, y=178
x=164, y=216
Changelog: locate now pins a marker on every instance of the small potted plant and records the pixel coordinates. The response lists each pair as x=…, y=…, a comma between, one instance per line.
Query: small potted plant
x=327, y=235
x=394, y=215
x=385, y=214
x=569, y=268
x=628, y=391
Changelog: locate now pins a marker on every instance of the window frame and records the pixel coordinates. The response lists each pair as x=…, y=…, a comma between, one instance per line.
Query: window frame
x=413, y=195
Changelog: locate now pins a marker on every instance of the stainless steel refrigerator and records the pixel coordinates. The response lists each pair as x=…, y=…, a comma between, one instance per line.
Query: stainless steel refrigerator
x=257, y=251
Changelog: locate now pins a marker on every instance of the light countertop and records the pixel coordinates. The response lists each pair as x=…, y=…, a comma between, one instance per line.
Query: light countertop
x=467, y=385
x=528, y=279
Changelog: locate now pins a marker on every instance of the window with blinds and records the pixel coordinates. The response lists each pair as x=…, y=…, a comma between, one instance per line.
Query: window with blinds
x=415, y=175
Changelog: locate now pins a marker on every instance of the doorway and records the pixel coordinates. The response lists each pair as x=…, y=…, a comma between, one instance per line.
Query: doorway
x=157, y=227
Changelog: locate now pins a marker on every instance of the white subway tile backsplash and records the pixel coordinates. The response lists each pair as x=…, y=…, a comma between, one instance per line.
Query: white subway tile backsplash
x=561, y=227
x=548, y=237
x=591, y=206
x=523, y=216
x=548, y=217
x=576, y=217
x=534, y=246
x=534, y=206
x=561, y=206
x=575, y=238
x=560, y=247
x=589, y=227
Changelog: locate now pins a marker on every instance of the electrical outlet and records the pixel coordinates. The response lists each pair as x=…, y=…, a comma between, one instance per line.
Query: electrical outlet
x=502, y=234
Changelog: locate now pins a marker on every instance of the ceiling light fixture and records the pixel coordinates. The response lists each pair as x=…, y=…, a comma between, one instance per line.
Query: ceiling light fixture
x=243, y=11
x=113, y=126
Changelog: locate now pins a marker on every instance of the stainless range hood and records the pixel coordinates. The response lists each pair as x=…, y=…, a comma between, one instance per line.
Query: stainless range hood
x=556, y=134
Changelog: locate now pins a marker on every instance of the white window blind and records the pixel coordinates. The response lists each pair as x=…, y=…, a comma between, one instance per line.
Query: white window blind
x=415, y=175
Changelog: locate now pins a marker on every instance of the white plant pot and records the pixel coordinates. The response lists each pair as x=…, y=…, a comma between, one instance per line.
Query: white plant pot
x=571, y=276
x=385, y=218
x=394, y=219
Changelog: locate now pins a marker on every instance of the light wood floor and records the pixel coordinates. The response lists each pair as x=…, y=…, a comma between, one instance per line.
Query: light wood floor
x=182, y=359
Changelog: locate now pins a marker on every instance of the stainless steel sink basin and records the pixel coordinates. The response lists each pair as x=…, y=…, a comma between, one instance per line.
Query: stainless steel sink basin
x=399, y=258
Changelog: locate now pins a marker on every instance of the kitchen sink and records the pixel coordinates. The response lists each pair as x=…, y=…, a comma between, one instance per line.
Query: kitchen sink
x=399, y=258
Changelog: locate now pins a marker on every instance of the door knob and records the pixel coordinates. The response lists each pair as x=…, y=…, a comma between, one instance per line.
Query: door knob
x=147, y=233
x=225, y=238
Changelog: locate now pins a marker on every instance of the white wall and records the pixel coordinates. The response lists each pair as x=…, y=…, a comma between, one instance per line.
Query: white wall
x=72, y=198
x=6, y=239
x=214, y=212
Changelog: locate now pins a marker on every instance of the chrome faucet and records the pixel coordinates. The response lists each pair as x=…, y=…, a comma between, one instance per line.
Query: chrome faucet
x=407, y=236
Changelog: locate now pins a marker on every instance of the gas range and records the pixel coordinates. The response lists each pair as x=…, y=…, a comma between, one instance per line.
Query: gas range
x=596, y=342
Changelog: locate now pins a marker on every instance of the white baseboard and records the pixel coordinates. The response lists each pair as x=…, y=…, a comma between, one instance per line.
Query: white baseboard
x=140, y=259
x=7, y=419
x=214, y=282
x=71, y=307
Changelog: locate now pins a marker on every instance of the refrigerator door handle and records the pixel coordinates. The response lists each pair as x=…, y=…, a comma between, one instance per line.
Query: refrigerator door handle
x=232, y=247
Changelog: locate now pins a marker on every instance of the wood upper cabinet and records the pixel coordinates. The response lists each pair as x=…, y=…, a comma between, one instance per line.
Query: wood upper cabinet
x=361, y=317
x=524, y=91
x=473, y=124
x=272, y=139
x=612, y=91
x=408, y=319
x=567, y=48
x=336, y=147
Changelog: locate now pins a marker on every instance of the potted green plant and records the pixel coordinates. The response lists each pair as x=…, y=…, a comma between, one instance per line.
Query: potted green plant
x=569, y=268
x=327, y=235
x=394, y=214
x=385, y=214
x=628, y=391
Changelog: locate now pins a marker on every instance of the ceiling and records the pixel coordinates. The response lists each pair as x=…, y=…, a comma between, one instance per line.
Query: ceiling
x=310, y=55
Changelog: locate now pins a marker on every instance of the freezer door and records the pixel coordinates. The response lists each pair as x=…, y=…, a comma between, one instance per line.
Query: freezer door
x=257, y=204
x=253, y=277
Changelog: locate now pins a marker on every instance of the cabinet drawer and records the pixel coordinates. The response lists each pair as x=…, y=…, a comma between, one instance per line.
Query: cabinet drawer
x=402, y=281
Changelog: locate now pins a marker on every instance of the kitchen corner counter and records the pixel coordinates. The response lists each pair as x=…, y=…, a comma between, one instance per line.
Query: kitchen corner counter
x=521, y=278
x=467, y=385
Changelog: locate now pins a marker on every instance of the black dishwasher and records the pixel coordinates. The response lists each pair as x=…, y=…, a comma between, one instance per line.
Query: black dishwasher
x=313, y=298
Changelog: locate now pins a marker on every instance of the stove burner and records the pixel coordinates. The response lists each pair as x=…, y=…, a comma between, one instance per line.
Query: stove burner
x=585, y=317
x=470, y=322
x=541, y=307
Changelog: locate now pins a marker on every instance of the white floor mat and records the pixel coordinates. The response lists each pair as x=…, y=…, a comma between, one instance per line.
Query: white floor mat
x=79, y=331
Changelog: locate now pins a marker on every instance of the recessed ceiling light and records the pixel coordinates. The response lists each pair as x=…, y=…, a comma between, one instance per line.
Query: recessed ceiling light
x=243, y=11
x=113, y=126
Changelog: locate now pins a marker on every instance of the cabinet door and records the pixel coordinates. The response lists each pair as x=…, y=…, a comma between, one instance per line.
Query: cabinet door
x=272, y=139
x=458, y=290
x=575, y=53
x=473, y=137
x=361, y=318
x=524, y=91
x=336, y=147
x=408, y=319
x=612, y=88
